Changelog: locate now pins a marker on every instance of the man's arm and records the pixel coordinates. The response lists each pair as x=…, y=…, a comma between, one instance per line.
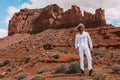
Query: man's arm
x=76, y=42
x=90, y=42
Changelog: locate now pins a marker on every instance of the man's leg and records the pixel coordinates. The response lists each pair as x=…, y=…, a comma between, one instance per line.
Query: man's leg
x=81, y=54
x=89, y=58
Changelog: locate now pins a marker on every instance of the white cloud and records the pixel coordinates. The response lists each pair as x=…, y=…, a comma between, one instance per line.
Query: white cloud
x=109, y=21
x=11, y=10
x=113, y=13
x=3, y=33
x=112, y=7
x=118, y=24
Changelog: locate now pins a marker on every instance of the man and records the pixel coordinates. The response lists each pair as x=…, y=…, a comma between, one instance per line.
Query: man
x=83, y=44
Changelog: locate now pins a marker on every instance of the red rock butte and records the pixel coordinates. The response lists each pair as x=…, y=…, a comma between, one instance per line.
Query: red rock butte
x=52, y=16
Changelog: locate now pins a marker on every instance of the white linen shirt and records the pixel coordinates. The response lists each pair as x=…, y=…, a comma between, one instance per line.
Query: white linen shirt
x=83, y=40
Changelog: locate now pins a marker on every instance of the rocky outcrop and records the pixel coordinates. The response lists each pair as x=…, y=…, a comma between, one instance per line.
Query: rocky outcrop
x=51, y=39
x=52, y=16
x=93, y=20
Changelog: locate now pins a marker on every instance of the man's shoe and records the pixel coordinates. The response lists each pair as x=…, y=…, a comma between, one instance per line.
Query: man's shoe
x=82, y=72
x=90, y=72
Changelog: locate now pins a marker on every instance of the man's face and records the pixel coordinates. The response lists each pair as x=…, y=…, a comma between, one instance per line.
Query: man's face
x=81, y=29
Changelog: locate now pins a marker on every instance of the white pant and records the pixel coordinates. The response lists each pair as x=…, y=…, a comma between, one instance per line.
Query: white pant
x=88, y=55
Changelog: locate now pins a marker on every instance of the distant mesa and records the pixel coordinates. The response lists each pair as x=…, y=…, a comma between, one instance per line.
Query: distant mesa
x=52, y=16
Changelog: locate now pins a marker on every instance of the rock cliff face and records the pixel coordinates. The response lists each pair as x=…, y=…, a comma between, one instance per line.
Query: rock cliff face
x=52, y=16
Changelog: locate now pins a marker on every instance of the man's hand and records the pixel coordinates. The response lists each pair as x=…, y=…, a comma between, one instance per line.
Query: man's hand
x=91, y=49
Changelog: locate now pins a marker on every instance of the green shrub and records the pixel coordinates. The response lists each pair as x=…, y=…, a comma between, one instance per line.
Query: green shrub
x=74, y=67
x=5, y=62
x=38, y=78
x=43, y=54
x=13, y=65
x=99, y=76
x=36, y=61
x=20, y=76
x=64, y=51
x=9, y=70
x=27, y=58
x=55, y=56
x=3, y=74
x=61, y=69
x=105, y=67
x=43, y=69
x=1, y=64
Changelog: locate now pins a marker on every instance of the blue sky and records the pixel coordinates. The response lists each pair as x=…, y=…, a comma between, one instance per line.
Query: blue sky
x=9, y=7
x=4, y=5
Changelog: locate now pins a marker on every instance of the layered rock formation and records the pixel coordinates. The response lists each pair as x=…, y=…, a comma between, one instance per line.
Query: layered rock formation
x=52, y=16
